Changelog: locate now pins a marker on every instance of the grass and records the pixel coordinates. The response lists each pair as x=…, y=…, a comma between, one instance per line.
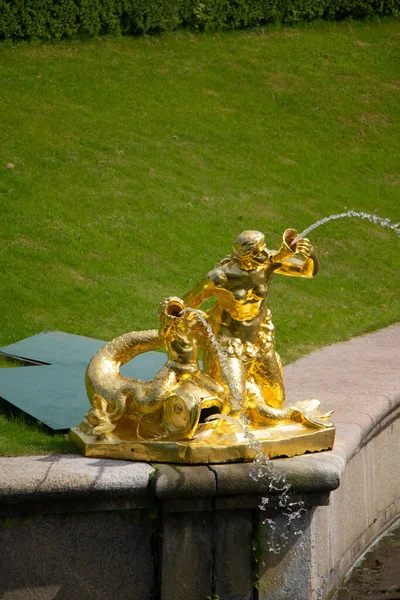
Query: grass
x=137, y=161
x=17, y=437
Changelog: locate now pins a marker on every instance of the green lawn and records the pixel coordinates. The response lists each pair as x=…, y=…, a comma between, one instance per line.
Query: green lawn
x=138, y=161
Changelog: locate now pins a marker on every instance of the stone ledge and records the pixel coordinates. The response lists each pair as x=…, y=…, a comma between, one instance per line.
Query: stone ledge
x=59, y=478
x=33, y=478
x=175, y=481
x=359, y=379
x=304, y=474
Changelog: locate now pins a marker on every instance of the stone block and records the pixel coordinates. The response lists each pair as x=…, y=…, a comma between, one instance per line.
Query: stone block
x=50, y=505
x=186, y=556
x=187, y=504
x=174, y=481
x=238, y=502
x=308, y=473
x=233, y=569
x=286, y=545
x=71, y=476
x=77, y=556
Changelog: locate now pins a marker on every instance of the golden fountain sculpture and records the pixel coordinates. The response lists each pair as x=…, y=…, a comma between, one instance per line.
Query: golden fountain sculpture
x=234, y=403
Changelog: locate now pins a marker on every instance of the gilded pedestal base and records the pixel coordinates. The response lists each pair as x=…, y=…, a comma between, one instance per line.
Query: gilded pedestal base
x=284, y=440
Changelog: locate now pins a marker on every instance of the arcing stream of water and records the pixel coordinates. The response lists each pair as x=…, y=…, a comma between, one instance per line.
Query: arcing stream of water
x=351, y=213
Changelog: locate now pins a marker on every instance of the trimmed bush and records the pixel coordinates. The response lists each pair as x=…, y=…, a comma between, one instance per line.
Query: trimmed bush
x=57, y=19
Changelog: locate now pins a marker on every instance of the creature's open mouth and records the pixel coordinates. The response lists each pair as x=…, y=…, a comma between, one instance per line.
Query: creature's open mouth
x=207, y=412
x=174, y=308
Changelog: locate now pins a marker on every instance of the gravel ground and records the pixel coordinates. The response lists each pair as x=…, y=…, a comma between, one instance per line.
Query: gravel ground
x=377, y=576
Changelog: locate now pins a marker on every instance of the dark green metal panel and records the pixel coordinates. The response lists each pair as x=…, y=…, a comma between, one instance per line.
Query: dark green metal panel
x=55, y=347
x=55, y=393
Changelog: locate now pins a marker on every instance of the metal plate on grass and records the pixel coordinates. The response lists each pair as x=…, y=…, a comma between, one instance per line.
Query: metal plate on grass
x=54, y=392
x=55, y=347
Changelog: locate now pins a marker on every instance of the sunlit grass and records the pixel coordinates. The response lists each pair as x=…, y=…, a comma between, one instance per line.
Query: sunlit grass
x=20, y=438
x=138, y=161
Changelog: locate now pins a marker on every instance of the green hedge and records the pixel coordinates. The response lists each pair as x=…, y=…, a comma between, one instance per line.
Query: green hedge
x=57, y=19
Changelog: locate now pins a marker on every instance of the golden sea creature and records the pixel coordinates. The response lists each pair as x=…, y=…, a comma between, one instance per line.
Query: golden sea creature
x=241, y=375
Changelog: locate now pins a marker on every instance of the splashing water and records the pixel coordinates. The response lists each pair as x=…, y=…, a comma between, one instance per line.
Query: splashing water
x=262, y=464
x=352, y=213
x=277, y=486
